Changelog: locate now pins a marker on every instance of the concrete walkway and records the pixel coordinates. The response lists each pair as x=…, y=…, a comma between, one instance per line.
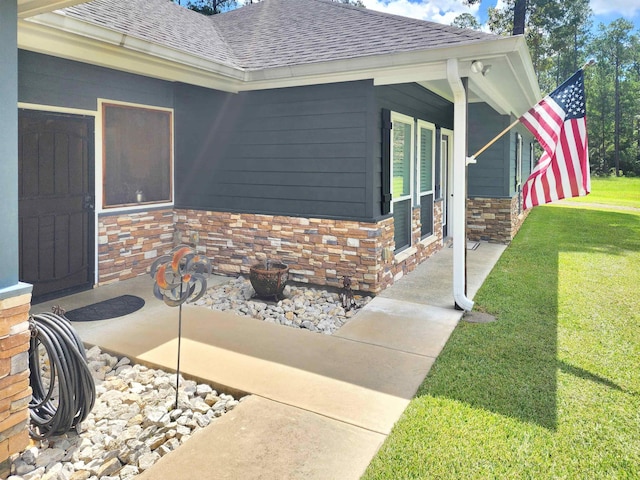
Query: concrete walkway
x=320, y=406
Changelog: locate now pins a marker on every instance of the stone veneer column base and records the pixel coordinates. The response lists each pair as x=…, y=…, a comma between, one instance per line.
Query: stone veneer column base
x=15, y=392
x=494, y=219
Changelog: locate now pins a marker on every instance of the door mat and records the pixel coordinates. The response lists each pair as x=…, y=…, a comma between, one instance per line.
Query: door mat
x=112, y=308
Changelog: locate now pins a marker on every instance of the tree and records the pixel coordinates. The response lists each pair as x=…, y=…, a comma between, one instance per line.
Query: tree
x=466, y=20
x=556, y=33
x=210, y=7
x=355, y=3
x=615, y=83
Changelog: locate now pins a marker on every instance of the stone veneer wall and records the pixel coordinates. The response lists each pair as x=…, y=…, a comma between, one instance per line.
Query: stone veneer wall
x=318, y=251
x=128, y=243
x=494, y=219
x=15, y=392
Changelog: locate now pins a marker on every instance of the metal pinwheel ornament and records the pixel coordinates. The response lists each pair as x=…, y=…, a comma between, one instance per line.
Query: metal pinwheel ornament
x=179, y=277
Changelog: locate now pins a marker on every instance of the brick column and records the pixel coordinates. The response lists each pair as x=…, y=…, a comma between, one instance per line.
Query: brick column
x=15, y=392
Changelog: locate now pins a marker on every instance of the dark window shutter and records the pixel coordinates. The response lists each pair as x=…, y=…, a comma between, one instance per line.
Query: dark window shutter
x=386, y=161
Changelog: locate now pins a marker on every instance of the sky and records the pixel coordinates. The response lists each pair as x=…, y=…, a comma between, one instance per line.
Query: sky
x=444, y=11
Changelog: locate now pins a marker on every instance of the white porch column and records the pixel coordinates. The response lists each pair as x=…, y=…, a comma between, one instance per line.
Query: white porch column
x=459, y=186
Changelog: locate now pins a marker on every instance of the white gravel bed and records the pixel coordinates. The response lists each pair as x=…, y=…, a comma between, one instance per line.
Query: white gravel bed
x=132, y=425
x=313, y=309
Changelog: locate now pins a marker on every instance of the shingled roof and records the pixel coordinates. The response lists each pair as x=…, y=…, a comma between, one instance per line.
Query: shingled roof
x=273, y=33
x=158, y=21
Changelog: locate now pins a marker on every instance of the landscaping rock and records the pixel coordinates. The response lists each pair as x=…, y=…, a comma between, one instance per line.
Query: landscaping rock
x=313, y=309
x=133, y=423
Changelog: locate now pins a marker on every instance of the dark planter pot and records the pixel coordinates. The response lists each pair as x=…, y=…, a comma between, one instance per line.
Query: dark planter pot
x=269, y=279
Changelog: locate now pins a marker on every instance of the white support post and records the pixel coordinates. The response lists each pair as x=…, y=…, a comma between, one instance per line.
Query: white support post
x=459, y=186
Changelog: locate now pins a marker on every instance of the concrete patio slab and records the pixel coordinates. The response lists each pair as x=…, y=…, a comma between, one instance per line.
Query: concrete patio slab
x=405, y=326
x=262, y=439
x=354, y=382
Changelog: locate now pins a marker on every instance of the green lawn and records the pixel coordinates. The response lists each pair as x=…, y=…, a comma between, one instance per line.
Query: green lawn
x=620, y=191
x=550, y=390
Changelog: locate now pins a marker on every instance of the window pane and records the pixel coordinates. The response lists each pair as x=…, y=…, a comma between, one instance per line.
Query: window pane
x=426, y=214
x=137, y=155
x=402, y=224
x=426, y=160
x=401, y=159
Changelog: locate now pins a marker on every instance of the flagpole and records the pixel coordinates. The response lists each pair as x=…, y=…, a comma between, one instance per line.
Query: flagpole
x=589, y=63
x=496, y=138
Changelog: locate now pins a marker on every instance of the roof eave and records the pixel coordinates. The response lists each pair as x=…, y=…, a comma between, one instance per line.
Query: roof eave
x=427, y=66
x=61, y=36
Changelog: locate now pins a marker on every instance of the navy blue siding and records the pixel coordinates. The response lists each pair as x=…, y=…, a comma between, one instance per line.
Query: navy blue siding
x=494, y=173
x=489, y=177
x=409, y=99
x=298, y=151
x=46, y=80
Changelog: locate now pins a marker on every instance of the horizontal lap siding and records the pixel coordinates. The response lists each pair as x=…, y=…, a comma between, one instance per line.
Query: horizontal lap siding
x=297, y=151
x=489, y=177
x=46, y=80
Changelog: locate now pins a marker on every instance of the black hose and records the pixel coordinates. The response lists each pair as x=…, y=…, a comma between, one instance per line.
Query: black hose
x=55, y=412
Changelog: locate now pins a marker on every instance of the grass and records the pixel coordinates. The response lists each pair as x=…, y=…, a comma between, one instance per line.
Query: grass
x=620, y=191
x=550, y=390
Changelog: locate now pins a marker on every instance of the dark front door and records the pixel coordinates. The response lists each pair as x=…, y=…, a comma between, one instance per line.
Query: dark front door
x=56, y=202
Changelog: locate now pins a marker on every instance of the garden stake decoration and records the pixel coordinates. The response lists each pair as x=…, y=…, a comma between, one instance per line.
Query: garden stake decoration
x=180, y=277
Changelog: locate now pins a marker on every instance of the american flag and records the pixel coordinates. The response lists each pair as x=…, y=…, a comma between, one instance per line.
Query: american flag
x=559, y=123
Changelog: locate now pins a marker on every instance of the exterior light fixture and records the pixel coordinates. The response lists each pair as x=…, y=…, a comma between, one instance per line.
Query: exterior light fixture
x=477, y=66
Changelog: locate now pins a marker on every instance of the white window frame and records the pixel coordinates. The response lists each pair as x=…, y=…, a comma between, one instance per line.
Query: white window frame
x=518, y=162
x=400, y=118
x=446, y=178
x=428, y=126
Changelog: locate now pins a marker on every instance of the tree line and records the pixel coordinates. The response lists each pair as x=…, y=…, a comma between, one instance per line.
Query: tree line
x=561, y=39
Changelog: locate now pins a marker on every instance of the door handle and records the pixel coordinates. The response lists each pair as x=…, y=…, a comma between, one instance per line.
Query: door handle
x=87, y=202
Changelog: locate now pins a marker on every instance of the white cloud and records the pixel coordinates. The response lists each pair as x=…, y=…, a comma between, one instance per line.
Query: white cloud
x=626, y=8
x=441, y=11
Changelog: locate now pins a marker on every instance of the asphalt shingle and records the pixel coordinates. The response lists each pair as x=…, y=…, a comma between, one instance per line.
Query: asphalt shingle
x=273, y=33
x=158, y=21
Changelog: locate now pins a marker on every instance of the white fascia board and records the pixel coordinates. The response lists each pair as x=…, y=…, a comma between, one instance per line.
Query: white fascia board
x=61, y=36
x=416, y=66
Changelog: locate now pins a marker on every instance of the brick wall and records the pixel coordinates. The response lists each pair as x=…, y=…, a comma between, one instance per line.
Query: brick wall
x=128, y=243
x=15, y=392
x=494, y=219
x=318, y=251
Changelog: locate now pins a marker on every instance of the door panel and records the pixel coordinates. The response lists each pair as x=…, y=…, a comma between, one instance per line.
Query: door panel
x=55, y=179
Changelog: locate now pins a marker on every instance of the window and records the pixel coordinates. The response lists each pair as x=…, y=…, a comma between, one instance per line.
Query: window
x=137, y=157
x=426, y=166
x=401, y=177
x=518, y=177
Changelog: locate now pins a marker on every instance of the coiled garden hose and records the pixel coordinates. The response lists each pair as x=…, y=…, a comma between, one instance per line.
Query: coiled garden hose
x=59, y=405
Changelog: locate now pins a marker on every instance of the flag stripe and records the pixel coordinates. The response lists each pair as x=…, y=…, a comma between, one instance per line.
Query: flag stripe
x=558, y=122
